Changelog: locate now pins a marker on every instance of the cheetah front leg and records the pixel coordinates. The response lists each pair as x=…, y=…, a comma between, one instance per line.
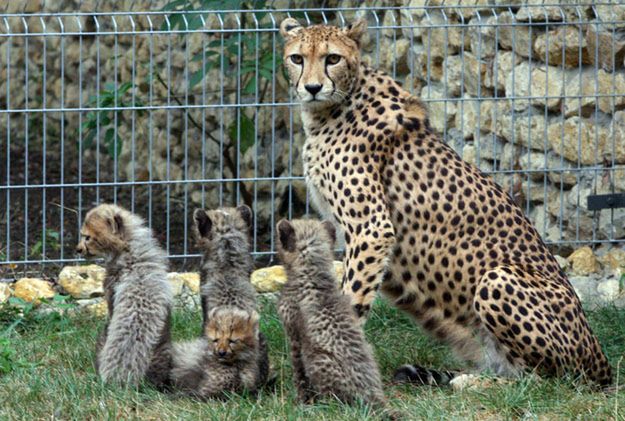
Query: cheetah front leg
x=368, y=246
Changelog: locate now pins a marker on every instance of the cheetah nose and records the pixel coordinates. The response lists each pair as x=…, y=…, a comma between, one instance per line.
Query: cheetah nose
x=221, y=353
x=79, y=249
x=313, y=89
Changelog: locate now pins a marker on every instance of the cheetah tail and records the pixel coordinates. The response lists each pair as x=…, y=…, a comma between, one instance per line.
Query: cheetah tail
x=416, y=374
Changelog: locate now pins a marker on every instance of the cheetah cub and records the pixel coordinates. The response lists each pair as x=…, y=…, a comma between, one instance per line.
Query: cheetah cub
x=223, y=235
x=224, y=360
x=135, y=343
x=329, y=353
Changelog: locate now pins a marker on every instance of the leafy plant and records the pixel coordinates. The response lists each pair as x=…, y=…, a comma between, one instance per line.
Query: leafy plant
x=9, y=357
x=52, y=241
x=105, y=121
x=232, y=53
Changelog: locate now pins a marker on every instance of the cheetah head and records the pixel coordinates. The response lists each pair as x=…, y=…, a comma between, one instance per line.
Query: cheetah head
x=105, y=231
x=322, y=61
x=305, y=242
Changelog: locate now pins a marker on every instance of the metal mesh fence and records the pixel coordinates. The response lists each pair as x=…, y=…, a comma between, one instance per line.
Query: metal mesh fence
x=165, y=111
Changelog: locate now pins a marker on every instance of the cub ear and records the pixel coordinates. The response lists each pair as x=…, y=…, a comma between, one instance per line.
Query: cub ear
x=254, y=319
x=117, y=224
x=202, y=223
x=286, y=235
x=290, y=27
x=331, y=230
x=247, y=214
x=356, y=30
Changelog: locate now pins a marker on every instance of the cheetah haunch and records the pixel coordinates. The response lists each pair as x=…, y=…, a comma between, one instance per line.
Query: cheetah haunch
x=444, y=242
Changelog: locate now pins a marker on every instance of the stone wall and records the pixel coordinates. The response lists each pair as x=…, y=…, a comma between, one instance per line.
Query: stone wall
x=532, y=94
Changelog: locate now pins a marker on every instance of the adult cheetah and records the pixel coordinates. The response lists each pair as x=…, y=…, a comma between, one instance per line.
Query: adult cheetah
x=445, y=243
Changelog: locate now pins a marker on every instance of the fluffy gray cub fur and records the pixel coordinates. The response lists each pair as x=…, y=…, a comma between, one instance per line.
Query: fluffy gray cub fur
x=329, y=353
x=224, y=360
x=223, y=235
x=135, y=343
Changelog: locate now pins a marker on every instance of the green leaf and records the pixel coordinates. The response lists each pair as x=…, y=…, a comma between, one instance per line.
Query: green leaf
x=243, y=130
x=112, y=142
x=250, y=86
x=87, y=142
x=207, y=53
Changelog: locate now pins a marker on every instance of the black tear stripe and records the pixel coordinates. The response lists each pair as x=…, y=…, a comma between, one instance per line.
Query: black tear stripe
x=325, y=70
x=299, y=78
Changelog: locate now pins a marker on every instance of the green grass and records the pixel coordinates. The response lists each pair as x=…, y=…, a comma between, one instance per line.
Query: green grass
x=53, y=377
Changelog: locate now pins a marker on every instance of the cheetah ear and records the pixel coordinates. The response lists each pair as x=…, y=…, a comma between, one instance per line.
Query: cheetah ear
x=247, y=214
x=329, y=227
x=202, y=223
x=286, y=235
x=290, y=28
x=356, y=30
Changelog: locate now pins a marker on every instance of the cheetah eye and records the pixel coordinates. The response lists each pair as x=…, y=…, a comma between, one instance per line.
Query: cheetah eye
x=297, y=59
x=87, y=237
x=234, y=341
x=333, y=59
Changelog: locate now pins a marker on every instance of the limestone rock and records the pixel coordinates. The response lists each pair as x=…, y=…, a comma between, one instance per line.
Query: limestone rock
x=611, y=11
x=442, y=110
x=585, y=288
x=96, y=306
x=583, y=262
x=394, y=55
x=613, y=259
x=609, y=290
x=593, y=87
x=476, y=115
x=546, y=226
x=426, y=66
x=582, y=140
x=537, y=192
x=502, y=66
x=539, y=14
x=562, y=46
x=515, y=37
x=272, y=278
x=33, y=289
x=442, y=36
x=483, y=37
x=411, y=17
x=5, y=292
x=504, y=154
x=606, y=46
x=475, y=74
x=614, y=146
x=564, y=264
x=583, y=223
x=543, y=84
x=191, y=280
x=83, y=281
x=453, y=73
x=527, y=129
x=269, y=279
x=560, y=171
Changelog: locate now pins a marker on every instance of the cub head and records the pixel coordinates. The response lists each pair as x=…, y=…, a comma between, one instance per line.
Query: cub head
x=104, y=231
x=231, y=331
x=305, y=242
x=212, y=228
x=322, y=61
